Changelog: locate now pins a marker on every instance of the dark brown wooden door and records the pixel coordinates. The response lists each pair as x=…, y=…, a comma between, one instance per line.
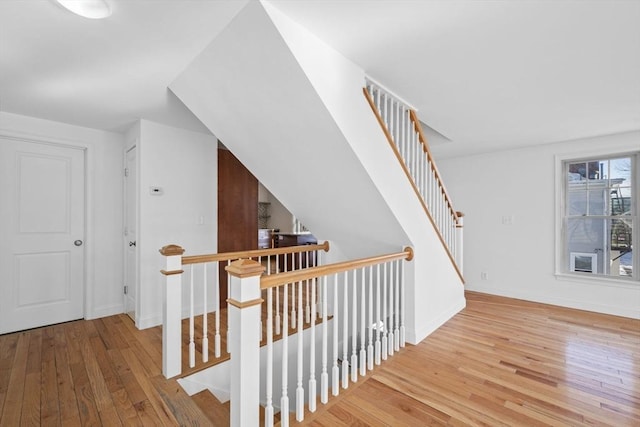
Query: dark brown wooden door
x=237, y=210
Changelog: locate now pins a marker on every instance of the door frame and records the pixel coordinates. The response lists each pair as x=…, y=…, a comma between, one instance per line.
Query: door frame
x=127, y=149
x=88, y=267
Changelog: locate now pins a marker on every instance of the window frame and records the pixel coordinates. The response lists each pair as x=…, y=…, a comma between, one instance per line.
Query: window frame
x=562, y=257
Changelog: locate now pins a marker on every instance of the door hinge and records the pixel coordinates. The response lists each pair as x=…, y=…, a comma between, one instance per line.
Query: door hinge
x=126, y=290
x=126, y=172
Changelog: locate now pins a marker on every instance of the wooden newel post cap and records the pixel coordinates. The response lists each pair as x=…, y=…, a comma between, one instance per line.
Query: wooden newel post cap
x=245, y=268
x=459, y=214
x=171, y=250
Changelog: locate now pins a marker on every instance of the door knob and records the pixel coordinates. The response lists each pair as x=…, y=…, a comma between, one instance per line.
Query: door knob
x=132, y=244
x=78, y=243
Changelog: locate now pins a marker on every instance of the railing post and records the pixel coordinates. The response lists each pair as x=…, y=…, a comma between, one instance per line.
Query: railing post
x=172, y=311
x=244, y=343
x=459, y=240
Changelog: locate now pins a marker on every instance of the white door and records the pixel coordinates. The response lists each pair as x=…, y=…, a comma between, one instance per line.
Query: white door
x=130, y=234
x=41, y=234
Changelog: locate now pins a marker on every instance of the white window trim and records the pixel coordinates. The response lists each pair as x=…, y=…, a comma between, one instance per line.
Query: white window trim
x=561, y=260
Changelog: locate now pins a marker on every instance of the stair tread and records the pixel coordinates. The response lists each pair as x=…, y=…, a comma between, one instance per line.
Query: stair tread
x=217, y=412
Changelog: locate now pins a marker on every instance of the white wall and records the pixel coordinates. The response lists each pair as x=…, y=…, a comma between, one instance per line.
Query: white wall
x=184, y=165
x=520, y=258
x=104, y=256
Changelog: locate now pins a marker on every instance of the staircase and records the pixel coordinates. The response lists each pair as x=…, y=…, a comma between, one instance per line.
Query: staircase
x=292, y=110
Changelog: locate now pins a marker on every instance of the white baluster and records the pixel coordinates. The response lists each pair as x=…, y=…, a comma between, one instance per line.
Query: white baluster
x=384, y=350
x=345, y=332
x=396, y=332
x=294, y=317
x=390, y=347
x=378, y=321
x=370, y=323
x=300, y=388
x=324, y=376
x=402, y=305
x=320, y=303
x=312, y=351
x=278, y=319
x=354, y=329
x=308, y=305
x=229, y=332
x=363, y=336
x=216, y=278
x=268, y=409
x=284, y=400
x=335, y=372
x=192, y=344
x=205, y=326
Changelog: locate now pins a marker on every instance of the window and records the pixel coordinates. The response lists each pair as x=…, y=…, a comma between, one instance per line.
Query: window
x=600, y=216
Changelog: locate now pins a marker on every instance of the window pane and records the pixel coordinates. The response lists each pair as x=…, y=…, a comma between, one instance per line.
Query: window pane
x=577, y=203
x=621, y=254
x=598, y=200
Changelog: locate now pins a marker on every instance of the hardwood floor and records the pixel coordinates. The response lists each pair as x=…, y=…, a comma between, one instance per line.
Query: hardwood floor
x=499, y=362
x=504, y=362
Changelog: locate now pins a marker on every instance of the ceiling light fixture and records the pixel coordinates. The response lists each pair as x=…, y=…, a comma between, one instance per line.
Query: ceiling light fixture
x=92, y=9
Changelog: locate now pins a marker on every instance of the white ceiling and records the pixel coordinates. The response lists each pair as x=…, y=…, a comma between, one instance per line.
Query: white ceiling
x=487, y=75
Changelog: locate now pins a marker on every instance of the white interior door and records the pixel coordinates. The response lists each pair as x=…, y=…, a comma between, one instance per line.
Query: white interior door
x=130, y=234
x=42, y=226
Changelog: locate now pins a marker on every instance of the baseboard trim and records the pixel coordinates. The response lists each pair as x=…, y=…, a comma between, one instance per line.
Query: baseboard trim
x=562, y=302
x=414, y=337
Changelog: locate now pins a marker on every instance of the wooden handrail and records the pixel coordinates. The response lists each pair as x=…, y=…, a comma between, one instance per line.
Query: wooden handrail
x=279, y=279
x=425, y=145
x=392, y=144
x=254, y=253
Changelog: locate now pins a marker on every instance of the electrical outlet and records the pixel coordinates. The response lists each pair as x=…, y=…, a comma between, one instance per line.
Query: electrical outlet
x=484, y=275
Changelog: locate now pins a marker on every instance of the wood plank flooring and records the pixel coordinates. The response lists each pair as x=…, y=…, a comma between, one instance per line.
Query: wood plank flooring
x=500, y=362
x=504, y=362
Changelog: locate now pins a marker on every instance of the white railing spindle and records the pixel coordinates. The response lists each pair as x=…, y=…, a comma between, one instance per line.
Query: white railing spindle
x=324, y=376
x=268, y=409
x=192, y=344
x=335, y=371
x=312, y=350
x=354, y=329
x=284, y=400
x=205, y=326
x=363, y=337
x=300, y=359
x=345, y=332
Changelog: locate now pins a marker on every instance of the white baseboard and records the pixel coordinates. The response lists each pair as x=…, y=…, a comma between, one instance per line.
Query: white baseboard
x=415, y=336
x=559, y=301
x=110, y=310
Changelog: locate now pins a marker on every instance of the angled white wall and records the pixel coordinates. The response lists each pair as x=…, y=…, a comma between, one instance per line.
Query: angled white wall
x=292, y=110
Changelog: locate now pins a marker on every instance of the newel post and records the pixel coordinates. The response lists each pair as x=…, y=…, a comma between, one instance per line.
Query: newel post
x=244, y=306
x=459, y=240
x=172, y=311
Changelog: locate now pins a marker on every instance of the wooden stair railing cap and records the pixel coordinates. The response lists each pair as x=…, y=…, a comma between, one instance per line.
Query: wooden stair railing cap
x=170, y=250
x=245, y=268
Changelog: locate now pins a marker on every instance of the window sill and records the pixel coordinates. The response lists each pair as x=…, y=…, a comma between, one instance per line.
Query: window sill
x=586, y=278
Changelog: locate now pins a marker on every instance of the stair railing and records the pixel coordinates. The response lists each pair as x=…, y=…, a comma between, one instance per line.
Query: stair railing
x=202, y=272
x=362, y=324
x=404, y=133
